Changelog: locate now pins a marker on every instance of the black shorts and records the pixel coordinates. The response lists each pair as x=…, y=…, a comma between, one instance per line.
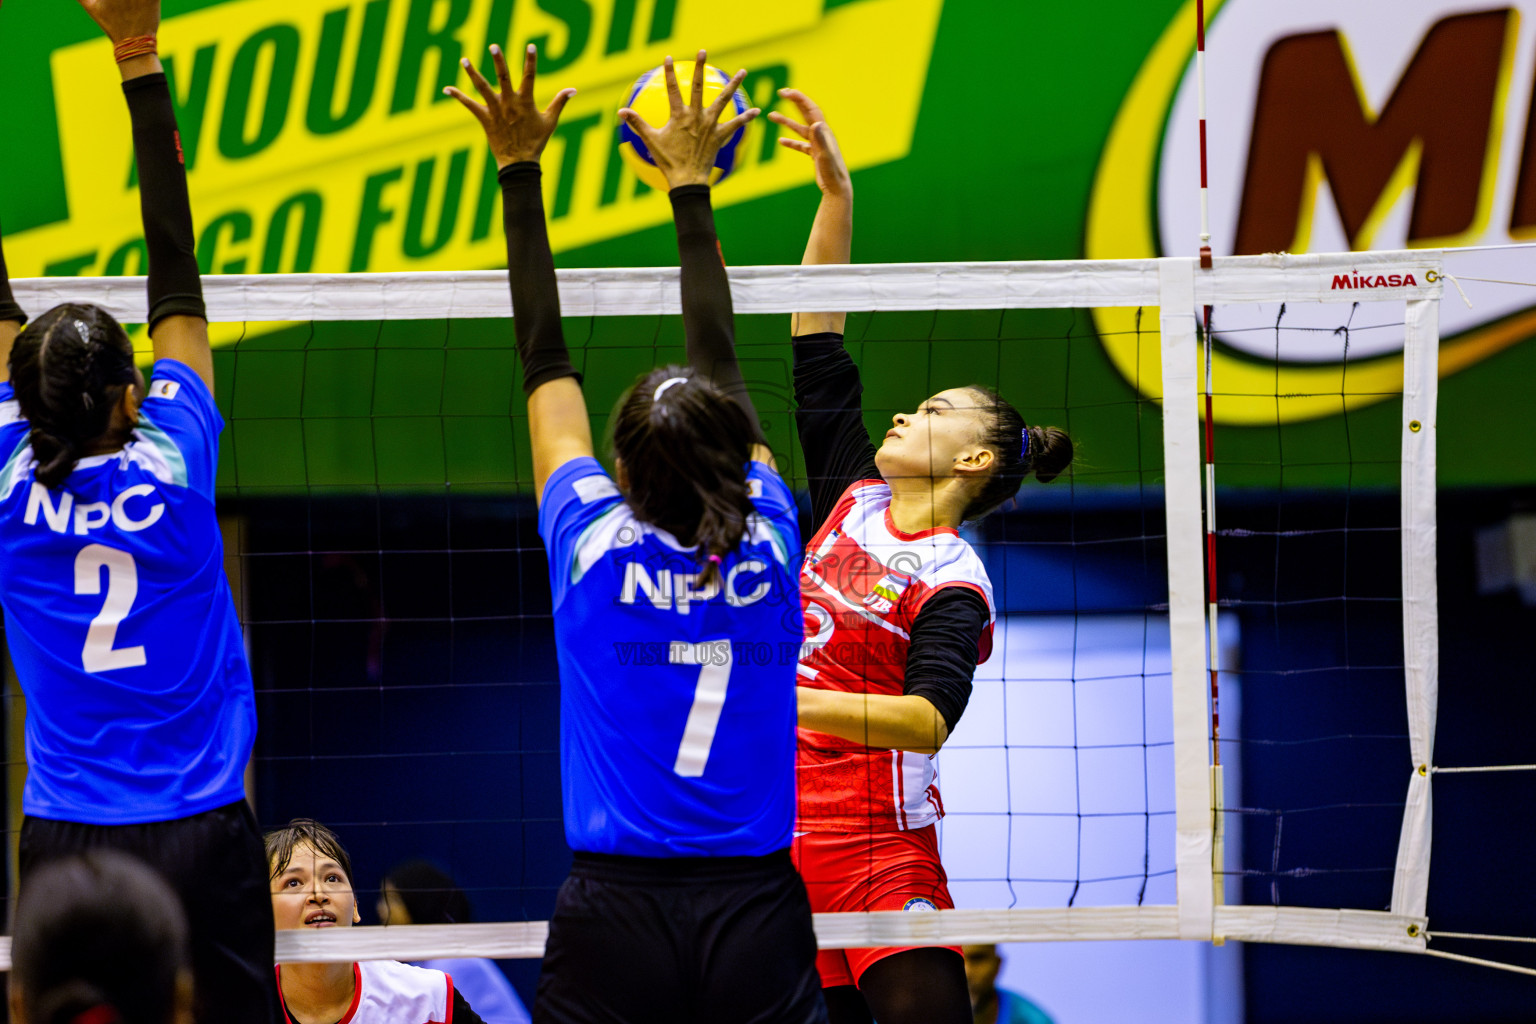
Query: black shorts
x=216, y=863
x=691, y=940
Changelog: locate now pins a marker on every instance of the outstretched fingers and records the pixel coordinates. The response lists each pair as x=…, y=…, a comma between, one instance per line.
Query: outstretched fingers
x=696, y=92
x=674, y=94
x=808, y=107
x=797, y=145
x=482, y=86
x=639, y=125
x=556, y=105
x=470, y=105
x=530, y=70
x=725, y=94
x=742, y=119
x=802, y=130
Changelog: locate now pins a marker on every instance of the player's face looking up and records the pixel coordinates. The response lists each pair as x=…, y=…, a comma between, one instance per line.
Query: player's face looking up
x=972, y=448
x=312, y=891
x=943, y=438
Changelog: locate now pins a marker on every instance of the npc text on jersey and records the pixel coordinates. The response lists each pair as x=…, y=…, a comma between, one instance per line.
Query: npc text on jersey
x=93, y=515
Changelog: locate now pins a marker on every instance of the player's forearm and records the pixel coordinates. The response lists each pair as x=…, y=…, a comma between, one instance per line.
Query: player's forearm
x=831, y=242
x=531, y=271
x=709, y=323
x=558, y=428
x=883, y=721
x=175, y=286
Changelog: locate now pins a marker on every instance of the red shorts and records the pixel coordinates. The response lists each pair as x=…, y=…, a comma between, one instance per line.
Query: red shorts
x=869, y=871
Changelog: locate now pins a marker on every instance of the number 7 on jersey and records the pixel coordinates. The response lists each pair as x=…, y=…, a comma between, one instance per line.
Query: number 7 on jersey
x=714, y=659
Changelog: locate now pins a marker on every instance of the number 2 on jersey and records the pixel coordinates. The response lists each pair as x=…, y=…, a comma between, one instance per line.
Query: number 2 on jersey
x=99, y=655
x=714, y=659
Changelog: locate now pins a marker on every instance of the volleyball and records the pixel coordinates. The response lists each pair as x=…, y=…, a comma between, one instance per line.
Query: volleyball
x=648, y=98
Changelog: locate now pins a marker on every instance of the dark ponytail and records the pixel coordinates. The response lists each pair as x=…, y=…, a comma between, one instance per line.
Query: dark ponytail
x=99, y=938
x=1020, y=449
x=685, y=447
x=69, y=368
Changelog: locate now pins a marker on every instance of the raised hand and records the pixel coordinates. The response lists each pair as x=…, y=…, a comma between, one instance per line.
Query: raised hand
x=817, y=142
x=124, y=19
x=514, y=126
x=685, y=148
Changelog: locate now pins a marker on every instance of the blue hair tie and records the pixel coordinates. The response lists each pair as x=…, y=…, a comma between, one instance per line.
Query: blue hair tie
x=1025, y=455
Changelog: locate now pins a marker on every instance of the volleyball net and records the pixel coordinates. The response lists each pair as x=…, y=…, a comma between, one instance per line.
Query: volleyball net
x=376, y=491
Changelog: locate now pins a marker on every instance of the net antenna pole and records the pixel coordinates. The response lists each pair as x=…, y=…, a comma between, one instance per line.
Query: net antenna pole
x=1218, y=800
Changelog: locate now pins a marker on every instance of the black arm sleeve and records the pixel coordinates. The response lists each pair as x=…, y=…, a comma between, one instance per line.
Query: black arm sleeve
x=175, y=289
x=830, y=420
x=462, y=1014
x=941, y=659
x=708, y=321
x=531, y=268
x=9, y=310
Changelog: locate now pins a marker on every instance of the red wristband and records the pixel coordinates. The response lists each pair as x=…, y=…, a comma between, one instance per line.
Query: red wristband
x=134, y=46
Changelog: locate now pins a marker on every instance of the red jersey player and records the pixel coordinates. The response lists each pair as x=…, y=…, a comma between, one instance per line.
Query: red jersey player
x=898, y=613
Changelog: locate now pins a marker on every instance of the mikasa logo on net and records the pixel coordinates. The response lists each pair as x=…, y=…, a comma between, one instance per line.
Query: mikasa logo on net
x=1359, y=281
x=1332, y=128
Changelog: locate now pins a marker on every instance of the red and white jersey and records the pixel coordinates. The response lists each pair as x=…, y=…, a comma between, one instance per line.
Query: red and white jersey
x=861, y=586
x=388, y=992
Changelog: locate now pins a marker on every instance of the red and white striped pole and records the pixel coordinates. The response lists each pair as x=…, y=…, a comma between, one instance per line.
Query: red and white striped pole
x=1205, y=206
x=1218, y=802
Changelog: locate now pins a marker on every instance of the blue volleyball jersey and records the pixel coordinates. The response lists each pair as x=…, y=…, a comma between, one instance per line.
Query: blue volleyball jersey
x=120, y=620
x=677, y=702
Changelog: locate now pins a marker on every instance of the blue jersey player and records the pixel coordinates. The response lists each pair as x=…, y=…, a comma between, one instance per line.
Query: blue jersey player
x=118, y=616
x=677, y=624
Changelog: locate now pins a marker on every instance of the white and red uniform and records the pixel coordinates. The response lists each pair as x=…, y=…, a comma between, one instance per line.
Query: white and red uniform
x=865, y=835
x=388, y=992
x=862, y=585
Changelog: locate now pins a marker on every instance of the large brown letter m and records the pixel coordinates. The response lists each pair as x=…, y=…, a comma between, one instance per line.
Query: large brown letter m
x=1310, y=113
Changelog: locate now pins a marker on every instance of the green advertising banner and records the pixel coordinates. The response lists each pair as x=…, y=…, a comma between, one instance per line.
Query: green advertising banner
x=317, y=139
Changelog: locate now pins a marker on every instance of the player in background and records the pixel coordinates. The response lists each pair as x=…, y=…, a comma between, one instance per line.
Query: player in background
x=898, y=613
x=417, y=892
x=140, y=713
x=990, y=1004
x=312, y=888
x=118, y=616
x=669, y=581
x=99, y=937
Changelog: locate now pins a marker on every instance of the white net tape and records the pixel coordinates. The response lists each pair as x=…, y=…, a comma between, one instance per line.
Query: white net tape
x=650, y=291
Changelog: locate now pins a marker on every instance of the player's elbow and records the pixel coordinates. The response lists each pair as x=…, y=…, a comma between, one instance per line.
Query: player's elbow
x=926, y=729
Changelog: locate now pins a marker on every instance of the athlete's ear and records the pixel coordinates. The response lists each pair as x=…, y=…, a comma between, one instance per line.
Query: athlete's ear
x=128, y=405
x=356, y=917
x=974, y=461
x=620, y=474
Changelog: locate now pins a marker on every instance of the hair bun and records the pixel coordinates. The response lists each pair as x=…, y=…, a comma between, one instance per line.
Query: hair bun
x=1050, y=452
